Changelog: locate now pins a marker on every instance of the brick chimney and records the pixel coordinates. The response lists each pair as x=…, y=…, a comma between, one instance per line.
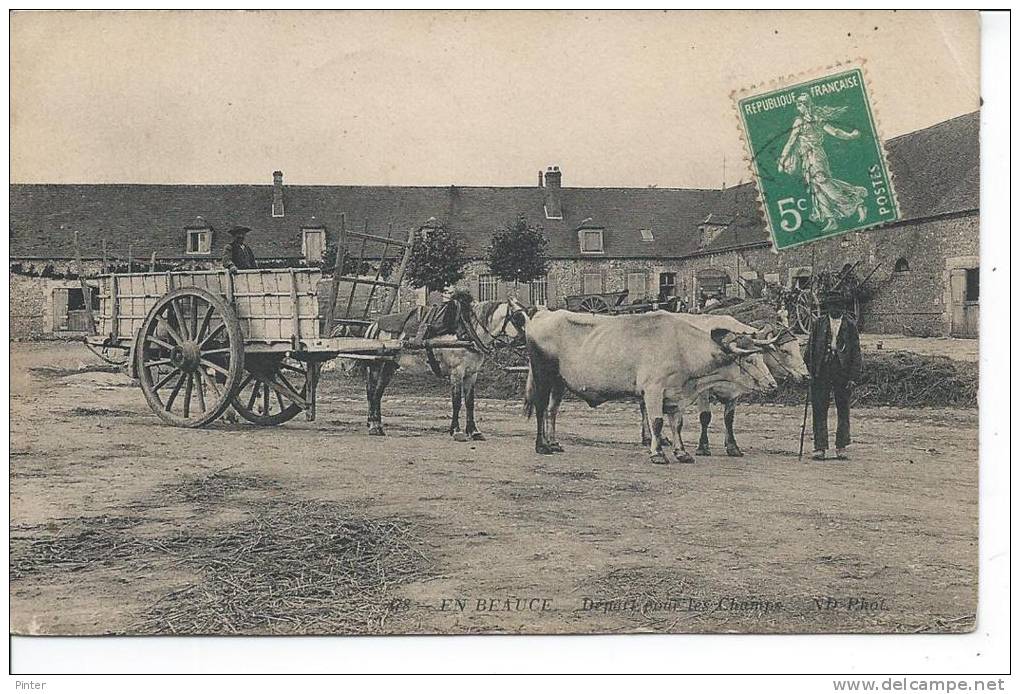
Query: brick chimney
x=553, y=205
x=277, y=193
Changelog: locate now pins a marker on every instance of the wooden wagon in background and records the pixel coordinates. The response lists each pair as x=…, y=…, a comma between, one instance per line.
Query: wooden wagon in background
x=615, y=303
x=200, y=342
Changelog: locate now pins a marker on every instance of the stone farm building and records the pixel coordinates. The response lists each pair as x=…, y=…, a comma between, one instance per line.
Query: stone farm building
x=650, y=241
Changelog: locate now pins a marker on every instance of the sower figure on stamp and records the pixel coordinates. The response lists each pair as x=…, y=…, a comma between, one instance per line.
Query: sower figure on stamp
x=237, y=255
x=834, y=359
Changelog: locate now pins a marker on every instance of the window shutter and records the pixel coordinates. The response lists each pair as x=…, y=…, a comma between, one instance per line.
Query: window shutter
x=591, y=283
x=636, y=285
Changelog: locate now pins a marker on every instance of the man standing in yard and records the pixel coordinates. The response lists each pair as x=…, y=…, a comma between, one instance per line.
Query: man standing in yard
x=237, y=255
x=834, y=359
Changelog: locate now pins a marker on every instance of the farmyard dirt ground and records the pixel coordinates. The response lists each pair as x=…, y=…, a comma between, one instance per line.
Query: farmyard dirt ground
x=592, y=540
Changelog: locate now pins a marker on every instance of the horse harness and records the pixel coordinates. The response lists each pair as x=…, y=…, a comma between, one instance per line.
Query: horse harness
x=448, y=318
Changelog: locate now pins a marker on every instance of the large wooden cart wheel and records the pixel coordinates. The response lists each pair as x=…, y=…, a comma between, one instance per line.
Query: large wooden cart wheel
x=853, y=310
x=594, y=304
x=274, y=389
x=806, y=311
x=190, y=357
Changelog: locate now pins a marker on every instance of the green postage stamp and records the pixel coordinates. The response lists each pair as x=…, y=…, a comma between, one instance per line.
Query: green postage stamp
x=817, y=158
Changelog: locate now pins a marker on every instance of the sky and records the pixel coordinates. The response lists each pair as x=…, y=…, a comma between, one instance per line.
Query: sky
x=444, y=98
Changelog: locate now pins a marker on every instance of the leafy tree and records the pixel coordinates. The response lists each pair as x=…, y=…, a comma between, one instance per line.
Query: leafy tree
x=437, y=259
x=516, y=252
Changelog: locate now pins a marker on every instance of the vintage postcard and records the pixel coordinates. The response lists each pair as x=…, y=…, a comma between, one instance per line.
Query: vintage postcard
x=301, y=344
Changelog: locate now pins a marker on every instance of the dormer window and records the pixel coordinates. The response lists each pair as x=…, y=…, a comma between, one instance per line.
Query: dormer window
x=592, y=241
x=199, y=241
x=313, y=243
x=646, y=235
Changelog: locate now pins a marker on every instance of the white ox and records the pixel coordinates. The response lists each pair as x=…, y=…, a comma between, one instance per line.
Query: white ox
x=784, y=361
x=658, y=357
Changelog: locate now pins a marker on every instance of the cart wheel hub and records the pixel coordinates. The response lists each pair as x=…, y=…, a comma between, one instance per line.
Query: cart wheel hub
x=186, y=356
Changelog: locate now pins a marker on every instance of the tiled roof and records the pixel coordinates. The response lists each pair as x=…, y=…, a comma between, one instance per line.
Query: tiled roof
x=936, y=171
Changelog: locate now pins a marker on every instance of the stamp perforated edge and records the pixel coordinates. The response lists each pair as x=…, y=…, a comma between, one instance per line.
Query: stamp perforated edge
x=796, y=78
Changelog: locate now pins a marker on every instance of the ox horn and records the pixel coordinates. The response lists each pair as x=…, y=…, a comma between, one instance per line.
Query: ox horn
x=765, y=343
x=729, y=340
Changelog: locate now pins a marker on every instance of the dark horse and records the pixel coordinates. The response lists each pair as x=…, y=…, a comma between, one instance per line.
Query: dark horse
x=488, y=324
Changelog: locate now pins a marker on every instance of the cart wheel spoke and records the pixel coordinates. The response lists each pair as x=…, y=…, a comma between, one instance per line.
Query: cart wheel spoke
x=174, y=392
x=286, y=390
x=181, y=323
x=194, y=318
x=211, y=382
x=199, y=390
x=265, y=398
x=157, y=341
x=173, y=333
x=204, y=326
x=188, y=383
x=245, y=382
x=254, y=394
x=286, y=382
x=214, y=366
x=208, y=338
x=166, y=379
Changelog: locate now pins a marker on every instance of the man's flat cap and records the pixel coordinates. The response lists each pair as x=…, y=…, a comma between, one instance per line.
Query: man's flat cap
x=834, y=300
x=235, y=230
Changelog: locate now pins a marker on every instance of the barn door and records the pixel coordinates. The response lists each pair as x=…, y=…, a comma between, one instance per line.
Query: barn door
x=59, y=309
x=957, y=294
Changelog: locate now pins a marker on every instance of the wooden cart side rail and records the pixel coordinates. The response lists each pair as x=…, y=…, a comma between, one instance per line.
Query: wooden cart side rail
x=273, y=304
x=216, y=271
x=156, y=295
x=354, y=305
x=401, y=271
x=365, y=236
x=365, y=281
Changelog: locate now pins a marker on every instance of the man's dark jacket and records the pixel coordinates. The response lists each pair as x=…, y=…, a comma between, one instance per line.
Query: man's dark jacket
x=238, y=254
x=848, y=349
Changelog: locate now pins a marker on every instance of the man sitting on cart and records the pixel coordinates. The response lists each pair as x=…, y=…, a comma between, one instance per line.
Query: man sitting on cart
x=237, y=255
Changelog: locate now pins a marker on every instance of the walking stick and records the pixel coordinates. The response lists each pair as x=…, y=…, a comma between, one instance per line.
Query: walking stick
x=803, y=426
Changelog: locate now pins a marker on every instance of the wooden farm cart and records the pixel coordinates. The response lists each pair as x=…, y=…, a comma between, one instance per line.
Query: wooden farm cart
x=200, y=342
x=606, y=302
x=615, y=303
x=804, y=304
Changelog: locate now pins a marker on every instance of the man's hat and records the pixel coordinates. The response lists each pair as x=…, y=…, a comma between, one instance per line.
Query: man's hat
x=834, y=300
x=238, y=230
